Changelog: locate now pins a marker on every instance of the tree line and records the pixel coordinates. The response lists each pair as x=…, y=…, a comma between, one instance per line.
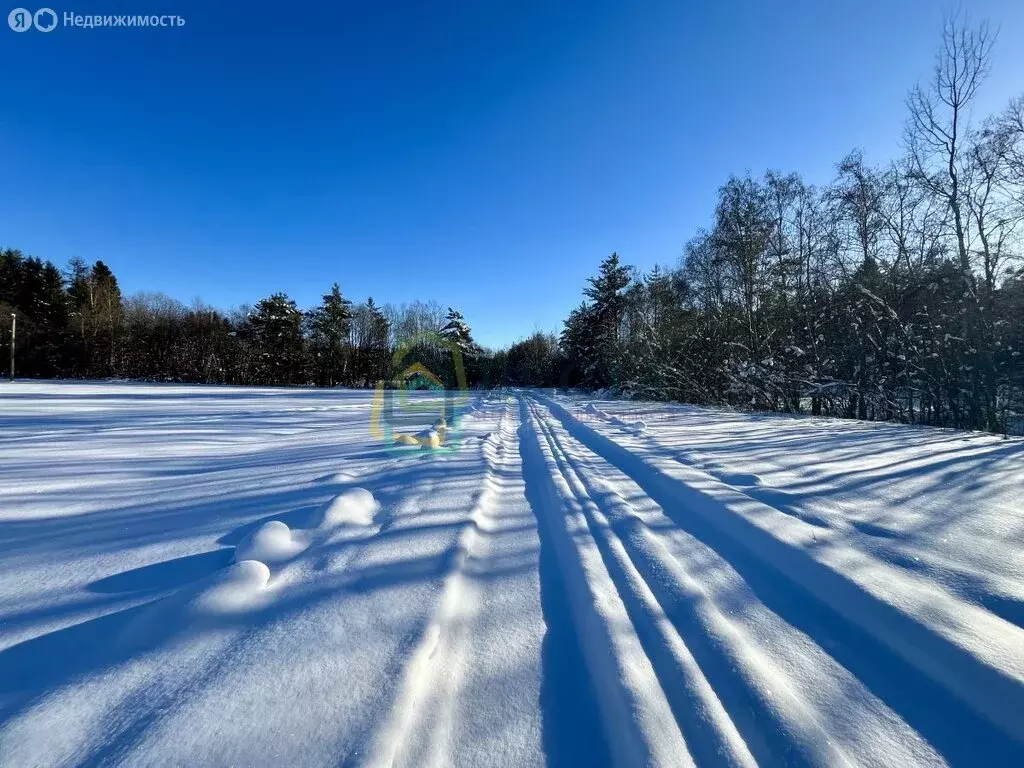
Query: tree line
x=76, y=323
x=894, y=292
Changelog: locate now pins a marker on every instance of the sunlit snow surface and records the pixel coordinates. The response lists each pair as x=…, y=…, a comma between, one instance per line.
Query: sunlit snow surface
x=226, y=576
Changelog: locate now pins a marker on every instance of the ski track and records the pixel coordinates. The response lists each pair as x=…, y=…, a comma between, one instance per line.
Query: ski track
x=671, y=609
x=559, y=587
x=979, y=586
x=929, y=660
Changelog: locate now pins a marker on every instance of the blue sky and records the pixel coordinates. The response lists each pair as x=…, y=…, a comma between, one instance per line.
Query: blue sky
x=486, y=154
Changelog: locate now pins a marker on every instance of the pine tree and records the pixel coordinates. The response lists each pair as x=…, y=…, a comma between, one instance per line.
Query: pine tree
x=457, y=332
x=330, y=325
x=607, y=293
x=76, y=277
x=52, y=322
x=578, y=345
x=275, y=332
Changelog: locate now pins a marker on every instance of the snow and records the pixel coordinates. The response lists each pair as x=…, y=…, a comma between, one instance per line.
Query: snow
x=272, y=542
x=236, y=589
x=230, y=576
x=354, y=507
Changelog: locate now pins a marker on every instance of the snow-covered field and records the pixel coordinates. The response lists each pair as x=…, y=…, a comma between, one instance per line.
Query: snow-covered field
x=220, y=576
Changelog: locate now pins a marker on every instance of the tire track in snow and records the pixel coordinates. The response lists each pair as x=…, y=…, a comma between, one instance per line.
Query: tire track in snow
x=426, y=716
x=930, y=681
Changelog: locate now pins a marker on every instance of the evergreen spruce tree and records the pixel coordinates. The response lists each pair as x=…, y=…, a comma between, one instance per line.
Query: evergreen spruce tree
x=330, y=325
x=578, y=342
x=456, y=331
x=275, y=332
x=607, y=294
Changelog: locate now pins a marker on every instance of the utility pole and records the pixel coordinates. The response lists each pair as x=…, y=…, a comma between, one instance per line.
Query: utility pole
x=14, y=333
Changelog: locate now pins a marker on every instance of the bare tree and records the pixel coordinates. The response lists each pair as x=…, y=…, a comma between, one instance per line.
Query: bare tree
x=990, y=197
x=1010, y=126
x=858, y=193
x=937, y=130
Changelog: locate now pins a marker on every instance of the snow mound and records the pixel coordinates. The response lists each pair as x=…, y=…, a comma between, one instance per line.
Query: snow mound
x=272, y=542
x=336, y=477
x=232, y=590
x=353, y=507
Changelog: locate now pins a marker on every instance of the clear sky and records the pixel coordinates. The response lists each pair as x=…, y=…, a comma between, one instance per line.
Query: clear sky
x=486, y=153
